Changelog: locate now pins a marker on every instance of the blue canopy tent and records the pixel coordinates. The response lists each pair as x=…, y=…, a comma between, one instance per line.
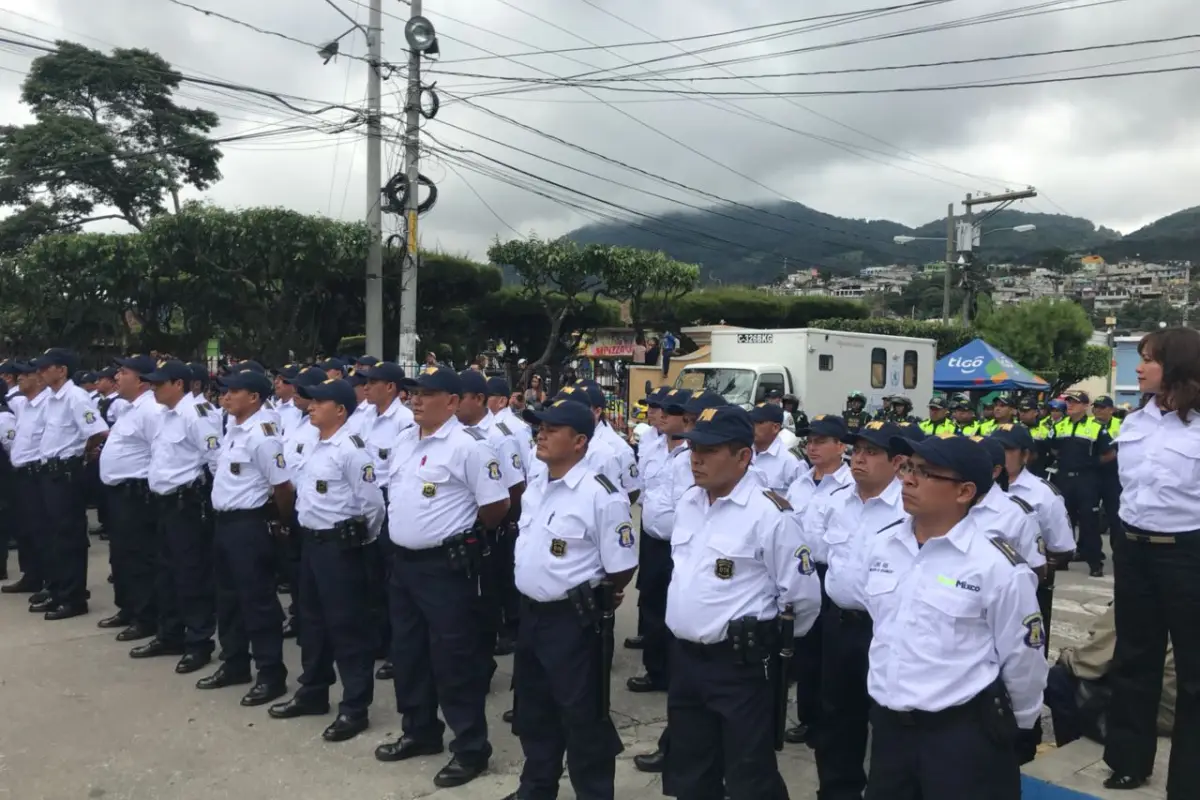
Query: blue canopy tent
x=977, y=366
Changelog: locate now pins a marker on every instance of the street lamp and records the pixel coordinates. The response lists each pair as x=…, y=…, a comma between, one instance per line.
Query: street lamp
x=1014, y=229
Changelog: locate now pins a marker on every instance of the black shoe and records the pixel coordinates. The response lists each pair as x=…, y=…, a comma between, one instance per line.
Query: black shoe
x=650, y=762
x=110, y=577
x=117, y=620
x=264, y=692
x=67, y=610
x=40, y=596
x=634, y=643
x=1096, y=572
x=504, y=646
x=1124, y=782
x=298, y=706
x=156, y=647
x=644, y=683
x=135, y=632
x=23, y=586
x=192, y=662
x=385, y=672
x=459, y=772
x=289, y=629
x=42, y=606
x=344, y=728
x=508, y=716
x=796, y=735
x=407, y=747
x=223, y=677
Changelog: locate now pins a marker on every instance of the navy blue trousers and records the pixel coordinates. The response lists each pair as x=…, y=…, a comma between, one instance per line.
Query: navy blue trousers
x=249, y=617
x=186, y=595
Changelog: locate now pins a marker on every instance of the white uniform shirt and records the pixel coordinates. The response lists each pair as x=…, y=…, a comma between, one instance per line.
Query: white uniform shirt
x=849, y=530
x=1015, y=523
x=949, y=618
x=298, y=442
x=289, y=416
x=8, y=430
x=71, y=418
x=1049, y=509
x=810, y=497
x=574, y=530
x=27, y=445
x=1160, y=470
x=506, y=449
x=523, y=432
x=117, y=406
x=516, y=435
x=740, y=556
x=250, y=464
x=630, y=475
x=437, y=485
x=599, y=459
x=777, y=467
x=126, y=452
x=358, y=422
x=659, y=497
x=189, y=439
x=381, y=432
x=338, y=482
x=651, y=458
x=16, y=401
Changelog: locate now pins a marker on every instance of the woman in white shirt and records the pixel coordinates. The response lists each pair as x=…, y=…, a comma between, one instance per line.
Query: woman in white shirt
x=1157, y=579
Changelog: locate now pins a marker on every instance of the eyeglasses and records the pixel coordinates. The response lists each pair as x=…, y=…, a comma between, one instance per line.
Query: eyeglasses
x=921, y=473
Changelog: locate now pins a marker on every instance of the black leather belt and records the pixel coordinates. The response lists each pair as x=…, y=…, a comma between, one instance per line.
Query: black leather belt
x=850, y=615
x=1136, y=534
x=241, y=513
x=934, y=719
x=547, y=605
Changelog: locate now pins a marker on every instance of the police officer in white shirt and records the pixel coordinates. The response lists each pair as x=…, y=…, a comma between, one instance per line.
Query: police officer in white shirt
x=33, y=546
x=809, y=495
x=199, y=384
x=504, y=553
x=182, y=456
x=73, y=428
x=250, y=469
x=498, y=393
x=739, y=563
x=363, y=408
x=110, y=403
x=443, y=488
x=574, y=558
x=777, y=466
x=285, y=393
x=840, y=538
x=8, y=373
x=340, y=509
x=132, y=524
x=610, y=440
x=1014, y=517
x=956, y=666
x=651, y=456
x=8, y=432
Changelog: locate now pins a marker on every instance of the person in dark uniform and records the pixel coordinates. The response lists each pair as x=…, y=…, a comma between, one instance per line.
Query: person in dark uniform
x=855, y=414
x=251, y=467
x=1110, y=481
x=939, y=418
x=963, y=415
x=576, y=531
x=1029, y=413
x=340, y=509
x=1081, y=446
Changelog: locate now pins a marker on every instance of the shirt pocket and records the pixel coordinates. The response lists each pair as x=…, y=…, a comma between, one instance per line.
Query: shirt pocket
x=878, y=587
x=948, y=620
x=728, y=556
x=1179, y=457
x=325, y=479
x=567, y=535
x=434, y=480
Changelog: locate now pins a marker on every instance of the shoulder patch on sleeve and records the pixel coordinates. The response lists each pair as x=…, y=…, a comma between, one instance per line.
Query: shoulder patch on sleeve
x=779, y=500
x=1006, y=550
x=1028, y=509
x=201, y=409
x=606, y=483
x=474, y=434
x=1053, y=488
x=504, y=429
x=357, y=440
x=268, y=428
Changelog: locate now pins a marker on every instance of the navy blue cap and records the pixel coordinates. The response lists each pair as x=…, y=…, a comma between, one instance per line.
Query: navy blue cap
x=969, y=460
x=826, y=425
x=332, y=363
x=1028, y=404
x=911, y=431
x=137, y=363
x=1076, y=397
x=473, y=382
x=253, y=366
x=1103, y=401
x=24, y=367
x=388, y=372
x=877, y=433
x=575, y=394
x=595, y=394
x=356, y=378
x=498, y=387
x=199, y=371
x=702, y=400
x=288, y=371
x=994, y=448
x=655, y=398
x=107, y=372
x=674, y=400
x=250, y=380
x=85, y=377
x=366, y=361
x=8, y=367
x=167, y=371
x=338, y=390
x=565, y=412
x=767, y=412
x=309, y=376
x=720, y=424
x=440, y=379
x=55, y=356
x=773, y=394
x=1013, y=437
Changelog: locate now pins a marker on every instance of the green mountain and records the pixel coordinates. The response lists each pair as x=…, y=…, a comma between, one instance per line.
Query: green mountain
x=756, y=243
x=1175, y=237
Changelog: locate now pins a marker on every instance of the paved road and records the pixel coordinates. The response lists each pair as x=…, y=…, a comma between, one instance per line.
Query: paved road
x=83, y=720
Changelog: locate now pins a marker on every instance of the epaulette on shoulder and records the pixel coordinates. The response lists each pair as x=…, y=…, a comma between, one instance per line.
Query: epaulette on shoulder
x=358, y=442
x=504, y=429
x=268, y=428
x=1006, y=550
x=475, y=434
x=890, y=525
x=1028, y=509
x=779, y=500
x=606, y=483
x=1053, y=488
x=843, y=487
x=201, y=410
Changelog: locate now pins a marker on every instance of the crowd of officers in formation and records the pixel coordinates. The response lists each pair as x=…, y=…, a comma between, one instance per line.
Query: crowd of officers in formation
x=900, y=576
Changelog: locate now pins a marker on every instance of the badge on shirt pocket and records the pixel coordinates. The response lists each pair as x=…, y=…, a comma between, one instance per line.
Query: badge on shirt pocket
x=429, y=490
x=724, y=569
x=322, y=487
x=383, y=453
x=235, y=468
x=558, y=548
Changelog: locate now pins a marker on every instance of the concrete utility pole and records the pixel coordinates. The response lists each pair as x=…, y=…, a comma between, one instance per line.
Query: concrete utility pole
x=970, y=203
x=949, y=262
x=408, y=279
x=374, y=330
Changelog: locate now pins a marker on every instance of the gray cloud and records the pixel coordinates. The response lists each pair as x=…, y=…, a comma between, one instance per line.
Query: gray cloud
x=1115, y=151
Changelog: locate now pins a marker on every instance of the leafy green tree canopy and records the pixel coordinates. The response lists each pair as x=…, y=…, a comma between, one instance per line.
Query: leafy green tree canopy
x=1047, y=336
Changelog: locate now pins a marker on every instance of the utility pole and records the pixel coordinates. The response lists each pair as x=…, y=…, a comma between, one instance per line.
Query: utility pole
x=408, y=277
x=374, y=297
x=949, y=261
x=973, y=234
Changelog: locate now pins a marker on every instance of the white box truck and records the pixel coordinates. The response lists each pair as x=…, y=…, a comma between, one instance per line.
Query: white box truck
x=820, y=367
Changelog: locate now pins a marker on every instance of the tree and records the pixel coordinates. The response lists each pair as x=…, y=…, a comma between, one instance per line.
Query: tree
x=752, y=308
x=948, y=337
x=643, y=278
x=1048, y=337
x=106, y=133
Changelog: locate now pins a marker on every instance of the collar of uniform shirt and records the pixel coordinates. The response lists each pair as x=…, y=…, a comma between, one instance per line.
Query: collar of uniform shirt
x=839, y=476
x=1153, y=409
x=251, y=420
x=68, y=384
x=574, y=475
x=740, y=495
x=448, y=426
x=337, y=438
x=40, y=397
x=677, y=447
x=959, y=536
x=144, y=398
x=890, y=494
x=1026, y=478
x=772, y=449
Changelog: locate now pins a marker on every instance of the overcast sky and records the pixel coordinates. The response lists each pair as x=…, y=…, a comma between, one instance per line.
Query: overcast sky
x=1120, y=152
